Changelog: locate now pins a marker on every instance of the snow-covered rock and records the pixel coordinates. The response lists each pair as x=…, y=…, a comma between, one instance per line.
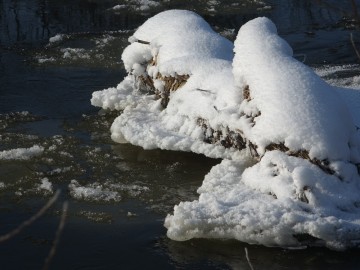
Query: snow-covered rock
x=289, y=142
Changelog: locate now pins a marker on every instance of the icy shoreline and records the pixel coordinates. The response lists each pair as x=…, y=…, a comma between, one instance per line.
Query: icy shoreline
x=290, y=144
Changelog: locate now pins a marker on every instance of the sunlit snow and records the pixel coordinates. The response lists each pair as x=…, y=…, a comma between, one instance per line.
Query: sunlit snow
x=289, y=141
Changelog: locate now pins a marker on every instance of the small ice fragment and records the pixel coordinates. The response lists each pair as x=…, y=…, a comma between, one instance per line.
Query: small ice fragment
x=130, y=214
x=56, y=38
x=92, y=192
x=118, y=7
x=21, y=153
x=46, y=186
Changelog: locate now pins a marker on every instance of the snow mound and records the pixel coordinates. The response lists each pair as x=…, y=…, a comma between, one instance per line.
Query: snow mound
x=184, y=47
x=291, y=104
x=288, y=139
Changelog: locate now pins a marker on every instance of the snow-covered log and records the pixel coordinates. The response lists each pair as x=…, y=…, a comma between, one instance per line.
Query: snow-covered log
x=290, y=148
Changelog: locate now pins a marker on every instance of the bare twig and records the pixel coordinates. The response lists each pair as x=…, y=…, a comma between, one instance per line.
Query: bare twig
x=203, y=90
x=57, y=236
x=31, y=219
x=248, y=259
x=142, y=41
x=354, y=46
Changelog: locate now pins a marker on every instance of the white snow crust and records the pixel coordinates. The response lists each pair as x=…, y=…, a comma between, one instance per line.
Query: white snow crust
x=261, y=205
x=275, y=198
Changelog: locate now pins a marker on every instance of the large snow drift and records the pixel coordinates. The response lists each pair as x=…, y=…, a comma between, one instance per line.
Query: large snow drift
x=289, y=143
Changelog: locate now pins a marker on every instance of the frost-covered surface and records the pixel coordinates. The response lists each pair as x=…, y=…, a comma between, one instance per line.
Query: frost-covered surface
x=21, y=153
x=295, y=182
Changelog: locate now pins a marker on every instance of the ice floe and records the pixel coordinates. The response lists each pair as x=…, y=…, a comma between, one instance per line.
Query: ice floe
x=92, y=192
x=45, y=187
x=104, y=192
x=289, y=140
x=143, y=5
x=57, y=38
x=21, y=153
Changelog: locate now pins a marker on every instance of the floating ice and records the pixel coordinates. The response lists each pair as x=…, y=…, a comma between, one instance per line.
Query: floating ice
x=21, y=153
x=92, y=192
x=45, y=186
x=59, y=170
x=75, y=53
x=99, y=217
x=42, y=60
x=143, y=5
x=118, y=7
x=57, y=38
x=104, y=192
x=289, y=141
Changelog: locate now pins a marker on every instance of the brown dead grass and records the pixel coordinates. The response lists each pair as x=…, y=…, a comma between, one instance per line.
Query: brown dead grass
x=171, y=84
x=246, y=93
x=225, y=137
x=304, y=154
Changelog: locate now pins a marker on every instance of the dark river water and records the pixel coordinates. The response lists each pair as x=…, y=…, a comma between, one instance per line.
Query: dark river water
x=45, y=91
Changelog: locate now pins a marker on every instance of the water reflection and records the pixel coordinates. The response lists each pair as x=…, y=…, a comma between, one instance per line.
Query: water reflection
x=22, y=22
x=310, y=26
x=231, y=255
